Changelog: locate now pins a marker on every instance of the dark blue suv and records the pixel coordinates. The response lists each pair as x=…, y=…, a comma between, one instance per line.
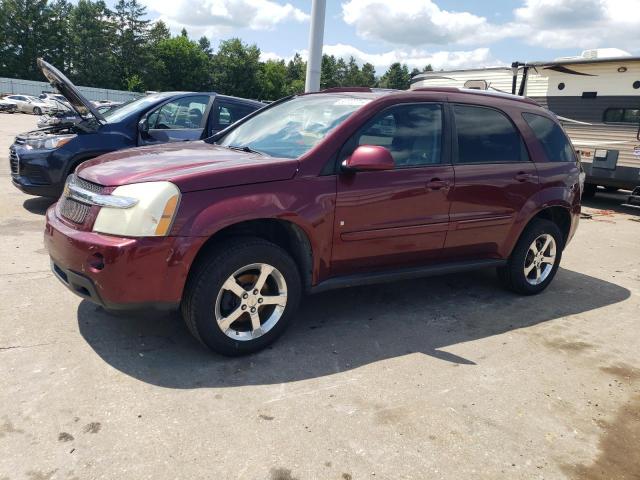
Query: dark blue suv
x=42, y=159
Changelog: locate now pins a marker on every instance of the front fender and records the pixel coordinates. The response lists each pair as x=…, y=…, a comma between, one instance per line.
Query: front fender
x=307, y=203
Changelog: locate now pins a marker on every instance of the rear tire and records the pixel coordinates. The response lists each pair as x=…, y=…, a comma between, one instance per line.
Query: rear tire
x=240, y=299
x=529, y=269
x=589, y=190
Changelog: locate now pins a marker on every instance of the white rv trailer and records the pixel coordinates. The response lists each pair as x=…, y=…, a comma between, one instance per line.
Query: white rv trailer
x=596, y=97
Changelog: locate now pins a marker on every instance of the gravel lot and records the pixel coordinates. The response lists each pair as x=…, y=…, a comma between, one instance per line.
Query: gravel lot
x=447, y=377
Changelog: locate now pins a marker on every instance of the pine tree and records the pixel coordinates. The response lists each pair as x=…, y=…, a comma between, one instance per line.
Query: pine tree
x=91, y=37
x=131, y=37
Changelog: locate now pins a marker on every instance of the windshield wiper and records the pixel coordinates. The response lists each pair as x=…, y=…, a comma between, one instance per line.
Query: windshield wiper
x=243, y=149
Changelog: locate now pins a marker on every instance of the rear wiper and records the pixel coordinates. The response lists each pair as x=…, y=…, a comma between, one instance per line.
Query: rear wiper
x=243, y=149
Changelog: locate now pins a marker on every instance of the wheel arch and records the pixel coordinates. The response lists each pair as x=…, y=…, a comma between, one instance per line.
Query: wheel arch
x=288, y=235
x=557, y=212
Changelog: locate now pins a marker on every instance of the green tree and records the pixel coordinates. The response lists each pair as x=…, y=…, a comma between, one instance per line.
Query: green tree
x=205, y=46
x=397, y=76
x=296, y=74
x=91, y=37
x=131, y=38
x=182, y=65
x=235, y=69
x=352, y=76
x=158, y=31
x=328, y=72
x=30, y=29
x=368, y=75
x=273, y=80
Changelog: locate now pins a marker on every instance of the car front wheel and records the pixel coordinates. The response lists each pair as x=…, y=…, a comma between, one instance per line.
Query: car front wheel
x=535, y=258
x=37, y=111
x=240, y=299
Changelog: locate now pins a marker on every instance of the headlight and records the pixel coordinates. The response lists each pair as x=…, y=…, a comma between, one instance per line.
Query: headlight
x=151, y=216
x=48, y=143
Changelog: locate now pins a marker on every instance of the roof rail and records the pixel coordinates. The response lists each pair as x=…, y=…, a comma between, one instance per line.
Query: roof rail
x=435, y=89
x=472, y=91
x=345, y=89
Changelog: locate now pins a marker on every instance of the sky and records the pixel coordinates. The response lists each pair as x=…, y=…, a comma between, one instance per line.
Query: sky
x=448, y=34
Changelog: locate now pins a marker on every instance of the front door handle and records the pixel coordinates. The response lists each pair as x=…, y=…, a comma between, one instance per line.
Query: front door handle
x=523, y=176
x=437, y=184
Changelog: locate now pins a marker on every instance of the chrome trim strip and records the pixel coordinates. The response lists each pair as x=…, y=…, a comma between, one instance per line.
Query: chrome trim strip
x=109, y=201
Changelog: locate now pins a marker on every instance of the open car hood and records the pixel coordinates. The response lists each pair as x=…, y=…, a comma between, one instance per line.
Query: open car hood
x=56, y=78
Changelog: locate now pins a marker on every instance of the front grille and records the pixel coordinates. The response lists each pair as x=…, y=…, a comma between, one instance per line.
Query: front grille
x=14, y=162
x=73, y=210
x=82, y=183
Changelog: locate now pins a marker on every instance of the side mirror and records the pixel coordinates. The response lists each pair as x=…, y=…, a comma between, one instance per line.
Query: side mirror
x=143, y=126
x=368, y=158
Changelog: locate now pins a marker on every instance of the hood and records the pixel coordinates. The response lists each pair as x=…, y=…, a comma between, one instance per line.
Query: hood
x=61, y=83
x=190, y=165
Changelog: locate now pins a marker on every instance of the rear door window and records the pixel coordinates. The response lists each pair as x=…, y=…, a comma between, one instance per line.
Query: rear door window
x=486, y=135
x=183, y=113
x=555, y=143
x=225, y=113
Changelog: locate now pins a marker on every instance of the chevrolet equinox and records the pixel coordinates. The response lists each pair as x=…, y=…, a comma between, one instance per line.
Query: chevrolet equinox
x=319, y=191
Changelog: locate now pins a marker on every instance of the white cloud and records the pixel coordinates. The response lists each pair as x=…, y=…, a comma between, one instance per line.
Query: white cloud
x=417, y=22
x=218, y=17
x=551, y=24
x=580, y=23
x=418, y=58
x=266, y=56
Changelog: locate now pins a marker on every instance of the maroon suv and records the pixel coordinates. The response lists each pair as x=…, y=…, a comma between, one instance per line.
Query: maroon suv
x=319, y=191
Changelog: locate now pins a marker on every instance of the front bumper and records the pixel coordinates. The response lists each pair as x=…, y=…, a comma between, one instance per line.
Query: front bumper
x=120, y=273
x=31, y=171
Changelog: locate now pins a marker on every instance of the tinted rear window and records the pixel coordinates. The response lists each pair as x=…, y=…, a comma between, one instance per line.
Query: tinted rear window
x=550, y=135
x=487, y=136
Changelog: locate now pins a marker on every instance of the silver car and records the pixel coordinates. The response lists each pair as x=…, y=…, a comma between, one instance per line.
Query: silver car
x=29, y=104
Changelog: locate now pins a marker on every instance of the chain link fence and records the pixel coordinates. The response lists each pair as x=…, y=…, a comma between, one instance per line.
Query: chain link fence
x=14, y=86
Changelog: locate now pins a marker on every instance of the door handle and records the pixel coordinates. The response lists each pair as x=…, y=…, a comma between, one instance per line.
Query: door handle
x=523, y=176
x=437, y=184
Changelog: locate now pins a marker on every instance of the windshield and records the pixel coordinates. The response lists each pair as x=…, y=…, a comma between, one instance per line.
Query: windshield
x=115, y=115
x=294, y=127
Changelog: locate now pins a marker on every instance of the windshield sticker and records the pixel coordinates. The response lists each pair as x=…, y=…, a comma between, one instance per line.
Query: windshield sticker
x=352, y=101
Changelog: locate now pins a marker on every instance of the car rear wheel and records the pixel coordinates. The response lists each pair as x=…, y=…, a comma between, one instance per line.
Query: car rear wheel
x=37, y=111
x=535, y=259
x=239, y=300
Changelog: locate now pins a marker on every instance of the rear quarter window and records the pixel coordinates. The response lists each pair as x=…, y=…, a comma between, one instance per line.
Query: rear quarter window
x=553, y=140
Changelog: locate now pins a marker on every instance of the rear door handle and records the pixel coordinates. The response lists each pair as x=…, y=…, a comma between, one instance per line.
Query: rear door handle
x=437, y=184
x=523, y=176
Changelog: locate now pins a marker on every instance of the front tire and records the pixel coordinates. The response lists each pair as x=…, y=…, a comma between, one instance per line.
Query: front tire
x=37, y=111
x=535, y=258
x=240, y=299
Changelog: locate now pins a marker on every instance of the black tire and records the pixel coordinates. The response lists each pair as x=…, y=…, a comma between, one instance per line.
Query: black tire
x=513, y=276
x=589, y=190
x=207, y=278
x=611, y=189
x=37, y=111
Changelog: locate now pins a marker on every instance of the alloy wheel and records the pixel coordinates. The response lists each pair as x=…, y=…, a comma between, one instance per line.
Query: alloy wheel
x=251, y=301
x=540, y=259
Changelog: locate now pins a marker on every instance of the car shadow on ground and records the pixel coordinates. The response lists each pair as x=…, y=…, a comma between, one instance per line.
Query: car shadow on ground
x=341, y=330
x=611, y=201
x=38, y=205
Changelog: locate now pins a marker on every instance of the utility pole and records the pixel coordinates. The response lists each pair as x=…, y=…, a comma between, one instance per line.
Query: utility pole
x=316, y=34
